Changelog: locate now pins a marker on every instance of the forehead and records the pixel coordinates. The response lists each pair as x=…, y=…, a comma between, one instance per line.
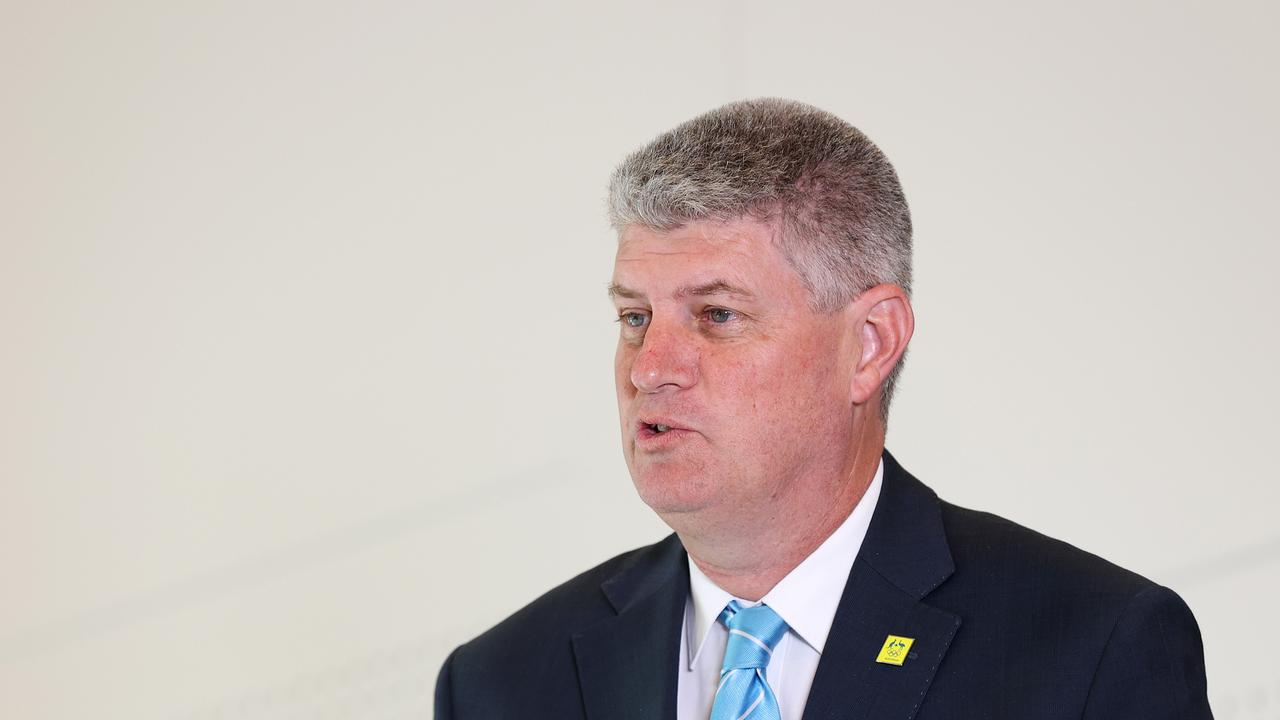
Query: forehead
x=739, y=253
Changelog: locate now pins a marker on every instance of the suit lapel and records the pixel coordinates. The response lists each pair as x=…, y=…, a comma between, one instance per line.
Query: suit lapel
x=627, y=664
x=903, y=557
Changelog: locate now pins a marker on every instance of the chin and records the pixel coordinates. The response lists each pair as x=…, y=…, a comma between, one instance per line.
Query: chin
x=672, y=490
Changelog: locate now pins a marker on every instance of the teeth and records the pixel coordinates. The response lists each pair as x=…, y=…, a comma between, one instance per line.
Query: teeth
x=662, y=428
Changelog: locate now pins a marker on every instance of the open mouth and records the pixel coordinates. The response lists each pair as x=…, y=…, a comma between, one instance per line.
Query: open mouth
x=657, y=427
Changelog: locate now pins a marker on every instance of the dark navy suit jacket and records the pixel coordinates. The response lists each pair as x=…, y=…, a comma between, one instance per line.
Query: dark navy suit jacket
x=1007, y=624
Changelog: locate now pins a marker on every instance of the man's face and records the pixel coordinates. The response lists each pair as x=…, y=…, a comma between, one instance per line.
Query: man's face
x=718, y=343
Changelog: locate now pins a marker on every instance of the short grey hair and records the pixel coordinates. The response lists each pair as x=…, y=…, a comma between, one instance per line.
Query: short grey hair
x=843, y=220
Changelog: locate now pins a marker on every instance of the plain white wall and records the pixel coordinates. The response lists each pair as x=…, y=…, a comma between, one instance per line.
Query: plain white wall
x=306, y=374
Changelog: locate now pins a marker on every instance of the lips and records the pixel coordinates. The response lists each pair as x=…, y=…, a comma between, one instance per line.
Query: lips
x=658, y=424
x=655, y=433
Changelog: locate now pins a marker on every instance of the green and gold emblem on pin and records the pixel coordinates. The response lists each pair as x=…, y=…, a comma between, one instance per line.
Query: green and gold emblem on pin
x=895, y=650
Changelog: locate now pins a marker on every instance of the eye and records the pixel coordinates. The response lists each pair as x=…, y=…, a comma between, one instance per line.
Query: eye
x=633, y=319
x=720, y=315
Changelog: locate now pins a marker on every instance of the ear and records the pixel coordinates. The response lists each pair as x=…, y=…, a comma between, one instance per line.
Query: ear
x=885, y=323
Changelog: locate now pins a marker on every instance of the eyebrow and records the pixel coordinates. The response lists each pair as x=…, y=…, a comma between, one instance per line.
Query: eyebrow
x=715, y=287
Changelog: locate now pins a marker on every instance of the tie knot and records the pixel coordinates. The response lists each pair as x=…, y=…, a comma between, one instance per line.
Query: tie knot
x=753, y=634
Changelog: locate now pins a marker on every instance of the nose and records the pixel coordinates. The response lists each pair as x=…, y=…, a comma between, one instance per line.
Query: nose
x=667, y=359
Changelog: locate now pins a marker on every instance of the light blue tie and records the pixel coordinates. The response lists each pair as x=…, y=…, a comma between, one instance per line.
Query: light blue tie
x=743, y=693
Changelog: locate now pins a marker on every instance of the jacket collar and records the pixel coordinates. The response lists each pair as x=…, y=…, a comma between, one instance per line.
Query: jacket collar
x=628, y=664
x=906, y=541
x=903, y=557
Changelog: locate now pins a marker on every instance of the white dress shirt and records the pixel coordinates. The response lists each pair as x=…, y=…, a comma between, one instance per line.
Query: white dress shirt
x=806, y=599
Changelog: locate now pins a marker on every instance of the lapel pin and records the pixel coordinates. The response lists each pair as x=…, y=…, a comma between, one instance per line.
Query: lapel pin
x=895, y=650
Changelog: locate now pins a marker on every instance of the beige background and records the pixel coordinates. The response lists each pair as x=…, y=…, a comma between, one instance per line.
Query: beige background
x=306, y=355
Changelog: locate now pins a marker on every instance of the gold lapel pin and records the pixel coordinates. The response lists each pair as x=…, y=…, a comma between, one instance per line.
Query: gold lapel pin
x=895, y=650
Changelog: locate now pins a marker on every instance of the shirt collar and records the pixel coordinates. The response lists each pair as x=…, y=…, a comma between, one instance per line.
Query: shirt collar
x=807, y=597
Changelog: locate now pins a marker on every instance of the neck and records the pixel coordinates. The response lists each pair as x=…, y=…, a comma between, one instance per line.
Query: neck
x=798, y=521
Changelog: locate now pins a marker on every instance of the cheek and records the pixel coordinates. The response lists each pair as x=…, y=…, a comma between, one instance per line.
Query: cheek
x=790, y=393
x=756, y=393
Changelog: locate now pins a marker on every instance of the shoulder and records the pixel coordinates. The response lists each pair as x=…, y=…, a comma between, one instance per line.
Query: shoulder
x=554, y=617
x=1002, y=566
x=1063, y=617
x=528, y=658
x=996, y=552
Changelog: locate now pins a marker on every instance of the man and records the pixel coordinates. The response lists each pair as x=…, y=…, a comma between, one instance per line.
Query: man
x=762, y=288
